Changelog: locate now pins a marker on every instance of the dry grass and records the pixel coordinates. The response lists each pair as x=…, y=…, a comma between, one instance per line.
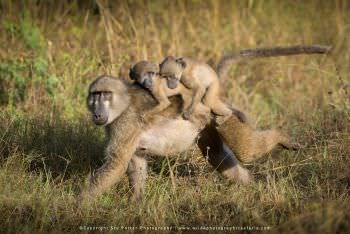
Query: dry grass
x=51, y=51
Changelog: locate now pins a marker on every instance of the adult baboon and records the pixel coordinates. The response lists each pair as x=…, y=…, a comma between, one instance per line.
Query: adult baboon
x=119, y=106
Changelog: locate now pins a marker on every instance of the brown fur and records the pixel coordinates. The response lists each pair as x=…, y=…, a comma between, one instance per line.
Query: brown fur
x=159, y=88
x=201, y=79
x=249, y=144
x=131, y=138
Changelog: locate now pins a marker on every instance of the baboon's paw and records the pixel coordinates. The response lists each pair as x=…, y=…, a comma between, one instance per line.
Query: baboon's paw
x=292, y=146
x=296, y=146
x=238, y=174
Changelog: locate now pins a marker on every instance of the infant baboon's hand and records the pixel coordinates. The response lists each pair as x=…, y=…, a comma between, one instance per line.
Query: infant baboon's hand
x=145, y=117
x=187, y=114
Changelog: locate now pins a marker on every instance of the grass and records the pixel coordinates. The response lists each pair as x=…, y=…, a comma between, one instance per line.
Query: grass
x=50, y=52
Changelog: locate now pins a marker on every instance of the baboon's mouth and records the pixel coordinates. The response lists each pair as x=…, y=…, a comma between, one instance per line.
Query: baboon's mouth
x=172, y=84
x=100, y=121
x=147, y=84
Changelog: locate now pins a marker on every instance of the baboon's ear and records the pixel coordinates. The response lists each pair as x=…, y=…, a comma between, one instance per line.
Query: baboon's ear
x=170, y=57
x=181, y=62
x=131, y=74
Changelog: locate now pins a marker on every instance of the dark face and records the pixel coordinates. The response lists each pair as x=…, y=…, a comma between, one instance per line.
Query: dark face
x=172, y=82
x=99, y=104
x=145, y=78
x=171, y=69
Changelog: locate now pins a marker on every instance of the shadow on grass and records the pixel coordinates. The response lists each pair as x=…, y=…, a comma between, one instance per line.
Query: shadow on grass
x=59, y=147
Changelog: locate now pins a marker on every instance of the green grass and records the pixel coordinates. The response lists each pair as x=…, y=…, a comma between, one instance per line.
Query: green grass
x=50, y=52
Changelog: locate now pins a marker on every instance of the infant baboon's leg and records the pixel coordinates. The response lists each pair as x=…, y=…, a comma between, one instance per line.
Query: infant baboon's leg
x=221, y=157
x=137, y=172
x=198, y=93
x=212, y=100
x=163, y=102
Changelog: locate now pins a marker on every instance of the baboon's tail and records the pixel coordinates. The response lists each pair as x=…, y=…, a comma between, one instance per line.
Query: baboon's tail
x=229, y=59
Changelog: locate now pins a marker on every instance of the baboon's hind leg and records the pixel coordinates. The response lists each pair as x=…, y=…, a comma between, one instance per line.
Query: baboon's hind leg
x=221, y=157
x=249, y=144
x=267, y=140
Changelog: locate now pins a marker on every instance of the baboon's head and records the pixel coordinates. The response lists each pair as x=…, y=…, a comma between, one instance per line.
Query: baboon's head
x=171, y=69
x=107, y=99
x=143, y=72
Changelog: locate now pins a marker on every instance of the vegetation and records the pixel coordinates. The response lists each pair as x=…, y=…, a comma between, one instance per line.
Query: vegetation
x=51, y=50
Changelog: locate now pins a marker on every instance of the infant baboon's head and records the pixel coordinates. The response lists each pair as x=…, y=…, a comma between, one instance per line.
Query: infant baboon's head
x=143, y=73
x=171, y=69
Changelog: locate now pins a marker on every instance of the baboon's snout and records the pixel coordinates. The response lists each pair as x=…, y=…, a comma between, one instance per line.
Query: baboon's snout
x=100, y=117
x=172, y=83
x=147, y=83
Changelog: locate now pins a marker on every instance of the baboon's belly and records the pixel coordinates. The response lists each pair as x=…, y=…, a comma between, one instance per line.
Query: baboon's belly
x=168, y=137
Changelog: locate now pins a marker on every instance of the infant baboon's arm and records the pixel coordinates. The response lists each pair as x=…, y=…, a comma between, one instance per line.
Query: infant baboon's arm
x=198, y=94
x=160, y=95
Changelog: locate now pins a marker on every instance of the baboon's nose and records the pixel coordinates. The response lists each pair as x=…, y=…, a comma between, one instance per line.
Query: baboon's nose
x=99, y=119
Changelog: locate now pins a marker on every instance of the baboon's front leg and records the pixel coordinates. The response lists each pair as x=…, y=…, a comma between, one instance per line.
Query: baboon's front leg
x=104, y=177
x=137, y=172
x=119, y=151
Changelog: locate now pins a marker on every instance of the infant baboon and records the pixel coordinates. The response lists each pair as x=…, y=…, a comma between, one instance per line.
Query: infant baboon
x=200, y=78
x=147, y=75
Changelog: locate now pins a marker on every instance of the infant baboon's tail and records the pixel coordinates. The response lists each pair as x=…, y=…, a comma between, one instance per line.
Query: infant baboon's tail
x=229, y=59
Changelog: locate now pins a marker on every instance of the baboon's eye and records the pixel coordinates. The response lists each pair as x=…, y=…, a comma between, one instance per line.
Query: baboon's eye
x=96, y=95
x=107, y=95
